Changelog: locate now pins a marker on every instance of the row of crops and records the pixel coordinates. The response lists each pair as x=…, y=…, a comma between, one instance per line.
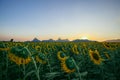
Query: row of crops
x=59, y=61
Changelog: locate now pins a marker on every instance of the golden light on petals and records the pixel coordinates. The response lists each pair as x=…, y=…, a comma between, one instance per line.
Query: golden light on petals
x=95, y=57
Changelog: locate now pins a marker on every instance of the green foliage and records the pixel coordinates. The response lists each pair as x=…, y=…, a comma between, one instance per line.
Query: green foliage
x=78, y=59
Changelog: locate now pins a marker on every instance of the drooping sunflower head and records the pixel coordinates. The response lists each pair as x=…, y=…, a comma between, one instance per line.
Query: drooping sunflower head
x=107, y=45
x=41, y=58
x=19, y=55
x=68, y=66
x=95, y=57
x=61, y=56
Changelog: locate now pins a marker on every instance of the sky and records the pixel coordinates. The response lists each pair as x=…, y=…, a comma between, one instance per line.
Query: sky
x=23, y=20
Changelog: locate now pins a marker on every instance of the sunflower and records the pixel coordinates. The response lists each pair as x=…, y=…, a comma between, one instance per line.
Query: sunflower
x=41, y=58
x=19, y=55
x=75, y=50
x=61, y=56
x=37, y=48
x=95, y=57
x=108, y=46
x=68, y=65
x=18, y=60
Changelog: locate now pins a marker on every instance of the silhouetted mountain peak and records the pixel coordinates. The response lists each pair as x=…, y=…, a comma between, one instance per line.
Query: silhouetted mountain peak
x=35, y=40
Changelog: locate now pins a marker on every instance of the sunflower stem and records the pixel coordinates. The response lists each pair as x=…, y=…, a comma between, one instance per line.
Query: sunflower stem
x=19, y=72
x=77, y=69
x=24, y=71
x=102, y=73
x=36, y=68
x=49, y=65
x=68, y=77
x=6, y=66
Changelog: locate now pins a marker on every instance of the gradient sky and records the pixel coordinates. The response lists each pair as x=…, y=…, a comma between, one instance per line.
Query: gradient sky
x=72, y=19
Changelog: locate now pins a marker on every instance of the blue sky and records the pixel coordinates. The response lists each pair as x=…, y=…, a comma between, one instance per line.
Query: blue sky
x=72, y=19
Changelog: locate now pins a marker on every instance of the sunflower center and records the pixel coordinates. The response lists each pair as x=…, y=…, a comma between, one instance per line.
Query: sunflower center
x=95, y=56
x=70, y=63
x=62, y=55
x=107, y=45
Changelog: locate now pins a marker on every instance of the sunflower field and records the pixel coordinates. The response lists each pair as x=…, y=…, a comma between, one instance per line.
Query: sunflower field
x=59, y=61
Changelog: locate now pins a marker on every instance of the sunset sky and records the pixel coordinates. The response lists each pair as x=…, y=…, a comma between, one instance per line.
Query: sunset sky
x=66, y=19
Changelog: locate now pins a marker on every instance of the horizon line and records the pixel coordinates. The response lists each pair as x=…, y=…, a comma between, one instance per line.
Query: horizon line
x=60, y=39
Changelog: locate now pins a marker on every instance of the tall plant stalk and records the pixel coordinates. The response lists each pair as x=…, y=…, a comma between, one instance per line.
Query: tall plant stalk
x=35, y=65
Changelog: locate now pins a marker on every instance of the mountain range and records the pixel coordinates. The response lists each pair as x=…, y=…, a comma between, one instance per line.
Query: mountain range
x=66, y=40
x=62, y=40
x=113, y=40
x=76, y=40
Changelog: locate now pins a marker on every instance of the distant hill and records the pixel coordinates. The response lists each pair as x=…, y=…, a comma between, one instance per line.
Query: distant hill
x=35, y=40
x=83, y=40
x=62, y=40
x=50, y=40
x=113, y=40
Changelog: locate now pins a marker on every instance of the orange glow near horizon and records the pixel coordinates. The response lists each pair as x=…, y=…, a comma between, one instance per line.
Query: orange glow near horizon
x=54, y=37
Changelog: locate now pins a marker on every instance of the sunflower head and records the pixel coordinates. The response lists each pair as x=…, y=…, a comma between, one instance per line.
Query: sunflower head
x=19, y=55
x=68, y=66
x=41, y=58
x=18, y=60
x=61, y=56
x=75, y=50
x=37, y=48
x=95, y=57
x=20, y=51
x=107, y=45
